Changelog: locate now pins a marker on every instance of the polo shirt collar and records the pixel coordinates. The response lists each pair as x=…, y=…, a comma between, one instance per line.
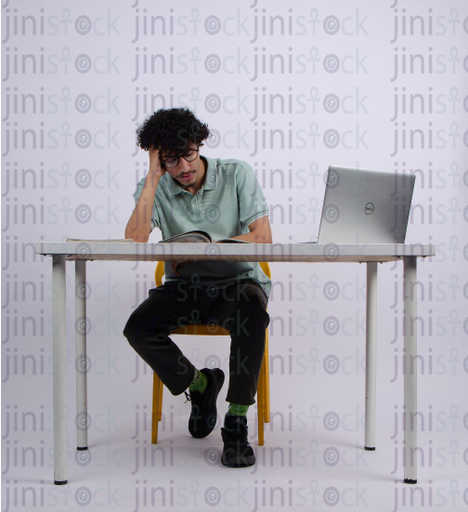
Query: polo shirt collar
x=172, y=186
x=211, y=179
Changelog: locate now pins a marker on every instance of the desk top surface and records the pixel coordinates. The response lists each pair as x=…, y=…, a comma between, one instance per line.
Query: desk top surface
x=304, y=252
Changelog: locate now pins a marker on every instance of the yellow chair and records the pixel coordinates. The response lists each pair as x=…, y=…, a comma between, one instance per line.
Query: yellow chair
x=263, y=389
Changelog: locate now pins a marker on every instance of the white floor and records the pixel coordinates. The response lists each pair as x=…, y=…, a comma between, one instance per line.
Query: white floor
x=298, y=468
x=306, y=463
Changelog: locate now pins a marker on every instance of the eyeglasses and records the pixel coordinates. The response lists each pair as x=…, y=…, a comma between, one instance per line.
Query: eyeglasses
x=189, y=156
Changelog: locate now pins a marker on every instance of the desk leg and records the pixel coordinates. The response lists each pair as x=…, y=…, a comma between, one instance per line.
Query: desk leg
x=410, y=376
x=60, y=370
x=81, y=361
x=371, y=355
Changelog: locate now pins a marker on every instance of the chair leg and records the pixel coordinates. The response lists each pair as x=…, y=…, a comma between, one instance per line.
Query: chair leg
x=161, y=389
x=156, y=407
x=261, y=406
x=266, y=363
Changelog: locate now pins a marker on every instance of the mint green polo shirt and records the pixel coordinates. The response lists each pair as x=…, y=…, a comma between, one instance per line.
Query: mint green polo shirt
x=227, y=203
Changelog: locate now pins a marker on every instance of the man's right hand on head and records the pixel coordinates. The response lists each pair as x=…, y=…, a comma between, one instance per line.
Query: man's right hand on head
x=155, y=167
x=139, y=225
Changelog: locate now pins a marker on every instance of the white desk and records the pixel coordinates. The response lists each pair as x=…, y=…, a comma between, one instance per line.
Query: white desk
x=369, y=254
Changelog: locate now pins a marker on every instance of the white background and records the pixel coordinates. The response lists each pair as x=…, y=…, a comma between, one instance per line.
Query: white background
x=53, y=189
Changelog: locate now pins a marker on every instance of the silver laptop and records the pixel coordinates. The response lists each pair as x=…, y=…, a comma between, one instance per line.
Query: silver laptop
x=364, y=206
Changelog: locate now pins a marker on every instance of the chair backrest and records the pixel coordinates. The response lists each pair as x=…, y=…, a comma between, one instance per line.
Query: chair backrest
x=266, y=268
x=201, y=329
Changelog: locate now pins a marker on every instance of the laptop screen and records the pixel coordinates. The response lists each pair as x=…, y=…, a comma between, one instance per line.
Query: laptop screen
x=365, y=206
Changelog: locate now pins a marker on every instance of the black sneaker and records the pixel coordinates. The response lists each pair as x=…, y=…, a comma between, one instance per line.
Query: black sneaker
x=237, y=452
x=203, y=416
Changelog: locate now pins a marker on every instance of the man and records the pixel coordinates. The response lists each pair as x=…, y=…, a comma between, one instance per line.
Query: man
x=184, y=191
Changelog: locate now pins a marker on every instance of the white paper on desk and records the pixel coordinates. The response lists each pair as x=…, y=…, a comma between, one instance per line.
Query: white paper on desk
x=98, y=241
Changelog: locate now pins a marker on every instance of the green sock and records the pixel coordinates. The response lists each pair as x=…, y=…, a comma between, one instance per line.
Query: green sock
x=238, y=410
x=199, y=382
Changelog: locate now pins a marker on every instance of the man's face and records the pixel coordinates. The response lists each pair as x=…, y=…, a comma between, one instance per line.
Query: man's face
x=187, y=174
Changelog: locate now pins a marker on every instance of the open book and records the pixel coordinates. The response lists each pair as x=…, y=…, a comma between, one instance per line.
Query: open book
x=199, y=236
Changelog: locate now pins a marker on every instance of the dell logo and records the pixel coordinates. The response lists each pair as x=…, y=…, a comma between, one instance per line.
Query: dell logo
x=369, y=209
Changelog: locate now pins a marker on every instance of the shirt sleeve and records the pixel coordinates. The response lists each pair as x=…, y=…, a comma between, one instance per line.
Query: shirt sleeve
x=155, y=213
x=252, y=202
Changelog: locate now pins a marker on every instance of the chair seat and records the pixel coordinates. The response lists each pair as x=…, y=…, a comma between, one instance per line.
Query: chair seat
x=201, y=330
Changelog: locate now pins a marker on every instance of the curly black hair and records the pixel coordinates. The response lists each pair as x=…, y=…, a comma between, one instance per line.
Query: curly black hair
x=172, y=131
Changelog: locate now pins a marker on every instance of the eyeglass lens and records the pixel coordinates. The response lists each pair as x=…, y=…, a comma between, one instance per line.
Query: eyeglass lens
x=190, y=156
